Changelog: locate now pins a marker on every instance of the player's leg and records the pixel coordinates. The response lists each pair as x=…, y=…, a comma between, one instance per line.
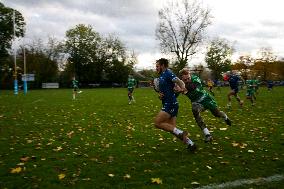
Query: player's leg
x=166, y=120
x=197, y=108
x=250, y=97
x=132, y=97
x=211, y=91
x=182, y=135
x=254, y=95
x=217, y=113
x=74, y=93
x=236, y=91
x=129, y=95
x=231, y=93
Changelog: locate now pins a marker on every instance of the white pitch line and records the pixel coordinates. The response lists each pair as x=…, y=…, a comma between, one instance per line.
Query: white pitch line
x=242, y=182
x=39, y=100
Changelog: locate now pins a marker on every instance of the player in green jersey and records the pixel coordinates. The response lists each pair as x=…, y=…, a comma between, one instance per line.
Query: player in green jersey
x=200, y=101
x=75, y=84
x=131, y=83
x=257, y=83
x=251, y=84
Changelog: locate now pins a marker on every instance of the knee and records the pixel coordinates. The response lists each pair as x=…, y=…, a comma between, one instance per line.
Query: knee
x=157, y=123
x=216, y=113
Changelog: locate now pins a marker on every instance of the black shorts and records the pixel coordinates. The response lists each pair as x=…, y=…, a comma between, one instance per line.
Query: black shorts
x=171, y=108
x=236, y=90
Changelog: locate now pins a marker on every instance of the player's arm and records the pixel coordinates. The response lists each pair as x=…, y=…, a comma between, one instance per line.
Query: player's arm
x=180, y=84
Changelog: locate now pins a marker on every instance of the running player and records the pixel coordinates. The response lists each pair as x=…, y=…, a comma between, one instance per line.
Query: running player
x=166, y=118
x=130, y=86
x=200, y=101
x=210, y=85
x=75, y=88
x=250, y=91
x=233, y=79
x=256, y=83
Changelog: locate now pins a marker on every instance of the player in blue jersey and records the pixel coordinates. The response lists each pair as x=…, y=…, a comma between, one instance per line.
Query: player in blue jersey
x=233, y=80
x=166, y=118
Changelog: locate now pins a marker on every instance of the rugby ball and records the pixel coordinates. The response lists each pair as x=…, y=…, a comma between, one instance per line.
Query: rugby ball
x=156, y=85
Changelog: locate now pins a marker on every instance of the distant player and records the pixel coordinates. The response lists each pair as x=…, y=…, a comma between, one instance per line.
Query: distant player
x=200, y=101
x=210, y=85
x=233, y=80
x=75, y=88
x=270, y=85
x=166, y=118
x=131, y=83
x=257, y=83
x=251, y=91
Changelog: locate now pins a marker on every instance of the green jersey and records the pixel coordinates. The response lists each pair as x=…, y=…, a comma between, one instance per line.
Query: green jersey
x=250, y=85
x=197, y=94
x=131, y=83
x=75, y=83
x=195, y=89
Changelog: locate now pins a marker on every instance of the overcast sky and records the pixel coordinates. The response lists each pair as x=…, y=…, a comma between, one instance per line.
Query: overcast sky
x=249, y=24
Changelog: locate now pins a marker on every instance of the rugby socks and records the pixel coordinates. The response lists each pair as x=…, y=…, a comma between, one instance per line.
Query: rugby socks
x=223, y=115
x=177, y=131
x=74, y=96
x=189, y=142
x=206, y=131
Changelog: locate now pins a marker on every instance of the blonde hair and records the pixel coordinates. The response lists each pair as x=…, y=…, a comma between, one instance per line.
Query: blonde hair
x=184, y=71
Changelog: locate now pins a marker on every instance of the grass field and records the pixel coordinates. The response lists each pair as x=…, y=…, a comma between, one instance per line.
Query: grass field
x=48, y=140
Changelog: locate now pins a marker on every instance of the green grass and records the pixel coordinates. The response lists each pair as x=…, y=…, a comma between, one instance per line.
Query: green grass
x=99, y=134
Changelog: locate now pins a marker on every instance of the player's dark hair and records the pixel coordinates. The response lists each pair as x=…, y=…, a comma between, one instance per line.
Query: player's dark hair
x=163, y=61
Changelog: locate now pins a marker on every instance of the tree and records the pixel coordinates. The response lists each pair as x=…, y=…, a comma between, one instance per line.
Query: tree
x=6, y=37
x=82, y=45
x=96, y=59
x=41, y=60
x=7, y=28
x=244, y=64
x=263, y=62
x=181, y=29
x=218, y=57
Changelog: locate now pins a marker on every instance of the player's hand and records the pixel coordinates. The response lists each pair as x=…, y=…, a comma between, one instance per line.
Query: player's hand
x=161, y=95
x=184, y=91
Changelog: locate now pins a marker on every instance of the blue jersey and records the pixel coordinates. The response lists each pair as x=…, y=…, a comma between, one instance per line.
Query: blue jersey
x=234, y=81
x=166, y=86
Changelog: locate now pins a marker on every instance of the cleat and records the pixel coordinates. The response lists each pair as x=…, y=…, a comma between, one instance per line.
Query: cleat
x=229, y=106
x=208, y=138
x=228, y=121
x=241, y=103
x=192, y=148
x=183, y=136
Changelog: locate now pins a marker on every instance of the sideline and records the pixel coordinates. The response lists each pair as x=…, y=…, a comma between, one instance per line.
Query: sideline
x=242, y=182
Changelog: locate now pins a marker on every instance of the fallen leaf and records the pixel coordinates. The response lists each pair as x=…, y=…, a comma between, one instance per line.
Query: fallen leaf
x=195, y=183
x=127, y=176
x=156, y=181
x=61, y=176
x=24, y=159
x=223, y=129
x=16, y=170
x=208, y=167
